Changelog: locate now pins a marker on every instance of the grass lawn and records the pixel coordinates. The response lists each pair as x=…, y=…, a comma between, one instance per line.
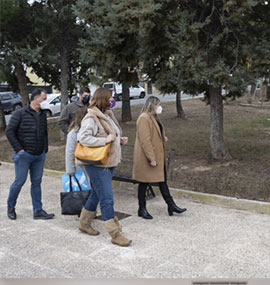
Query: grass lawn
x=246, y=133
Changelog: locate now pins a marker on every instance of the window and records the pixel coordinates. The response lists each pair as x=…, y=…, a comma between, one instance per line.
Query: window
x=5, y=88
x=56, y=100
x=141, y=84
x=5, y=97
x=109, y=86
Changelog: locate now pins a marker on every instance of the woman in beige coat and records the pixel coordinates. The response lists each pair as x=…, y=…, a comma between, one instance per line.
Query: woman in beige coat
x=98, y=128
x=149, y=164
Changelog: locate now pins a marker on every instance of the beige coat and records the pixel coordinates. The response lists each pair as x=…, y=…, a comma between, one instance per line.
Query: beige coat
x=149, y=146
x=95, y=127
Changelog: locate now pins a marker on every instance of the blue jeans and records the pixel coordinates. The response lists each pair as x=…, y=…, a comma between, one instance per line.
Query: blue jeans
x=101, y=184
x=24, y=162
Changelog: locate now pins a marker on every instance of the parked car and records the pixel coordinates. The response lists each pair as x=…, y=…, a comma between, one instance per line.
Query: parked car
x=10, y=101
x=4, y=87
x=117, y=90
x=52, y=105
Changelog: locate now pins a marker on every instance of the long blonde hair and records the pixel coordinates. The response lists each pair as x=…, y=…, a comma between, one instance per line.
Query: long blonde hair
x=149, y=104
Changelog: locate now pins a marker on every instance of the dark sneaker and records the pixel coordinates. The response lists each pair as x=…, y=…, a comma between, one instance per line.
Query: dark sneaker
x=43, y=215
x=11, y=213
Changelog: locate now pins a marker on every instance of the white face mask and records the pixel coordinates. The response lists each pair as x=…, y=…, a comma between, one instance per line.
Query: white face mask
x=159, y=110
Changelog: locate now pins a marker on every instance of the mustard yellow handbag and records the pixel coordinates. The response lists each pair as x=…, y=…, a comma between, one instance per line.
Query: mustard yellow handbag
x=92, y=155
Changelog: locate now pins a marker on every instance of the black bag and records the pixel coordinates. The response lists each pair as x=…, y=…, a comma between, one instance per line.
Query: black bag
x=72, y=202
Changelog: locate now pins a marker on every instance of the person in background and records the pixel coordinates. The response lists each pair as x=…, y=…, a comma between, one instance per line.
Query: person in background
x=149, y=163
x=69, y=110
x=28, y=135
x=98, y=128
x=73, y=129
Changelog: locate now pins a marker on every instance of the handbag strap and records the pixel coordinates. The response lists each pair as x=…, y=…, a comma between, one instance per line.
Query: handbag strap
x=84, y=200
x=70, y=183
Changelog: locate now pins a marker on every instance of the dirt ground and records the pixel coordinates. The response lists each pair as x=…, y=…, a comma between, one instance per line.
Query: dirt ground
x=246, y=134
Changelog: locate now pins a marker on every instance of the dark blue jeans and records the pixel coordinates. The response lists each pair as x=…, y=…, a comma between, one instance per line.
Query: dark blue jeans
x=101, y=182
x=24, y=162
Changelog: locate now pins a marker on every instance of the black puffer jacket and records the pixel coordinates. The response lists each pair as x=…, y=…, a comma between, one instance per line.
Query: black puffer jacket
x=22, y=131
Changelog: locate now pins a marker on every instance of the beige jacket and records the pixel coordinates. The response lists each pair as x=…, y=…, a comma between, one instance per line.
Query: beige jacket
x=149, y=146
x=95, y=127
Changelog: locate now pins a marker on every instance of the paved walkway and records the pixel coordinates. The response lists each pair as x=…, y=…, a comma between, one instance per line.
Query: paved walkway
x=206, y=242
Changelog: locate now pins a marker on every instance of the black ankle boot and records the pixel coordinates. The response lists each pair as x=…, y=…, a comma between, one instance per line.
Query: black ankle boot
x=11, y=213
x=142, y=212
x=172, y=207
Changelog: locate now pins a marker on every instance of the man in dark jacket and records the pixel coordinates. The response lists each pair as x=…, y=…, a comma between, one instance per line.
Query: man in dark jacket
x=69, y=110
x=28, y=135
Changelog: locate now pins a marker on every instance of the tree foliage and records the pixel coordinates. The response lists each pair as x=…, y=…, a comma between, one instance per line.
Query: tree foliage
x=259, y=60
x=203, y=43
x=204, y=46
x=17, y=45
x=59, y=62
x=112, y=44
x=45, y=36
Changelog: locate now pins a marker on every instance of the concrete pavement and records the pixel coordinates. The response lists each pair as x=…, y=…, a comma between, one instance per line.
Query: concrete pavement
x=205, y=242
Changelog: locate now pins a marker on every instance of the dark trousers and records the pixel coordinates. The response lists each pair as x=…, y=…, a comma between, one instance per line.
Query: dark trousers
x=164, y=190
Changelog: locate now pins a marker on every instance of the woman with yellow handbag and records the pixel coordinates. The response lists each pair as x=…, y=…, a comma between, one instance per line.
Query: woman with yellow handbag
x=99, y=127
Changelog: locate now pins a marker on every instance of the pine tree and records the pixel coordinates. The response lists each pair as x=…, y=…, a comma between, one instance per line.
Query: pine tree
x=17, y=45
x=58, y=32
x=207, y=44
x=112, y=46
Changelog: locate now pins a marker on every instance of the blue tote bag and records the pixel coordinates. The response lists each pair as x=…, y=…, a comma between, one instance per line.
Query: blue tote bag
x=80, y=177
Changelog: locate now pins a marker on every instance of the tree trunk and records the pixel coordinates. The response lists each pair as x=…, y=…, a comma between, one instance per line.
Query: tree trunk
x=22, y=82
x=179, y=108
x=126, y=111
x=64, y=77
x=268, y=93
x=71, y=86
x=2, y=119
x=262, y=92
x=252, y=93
x=218, y=150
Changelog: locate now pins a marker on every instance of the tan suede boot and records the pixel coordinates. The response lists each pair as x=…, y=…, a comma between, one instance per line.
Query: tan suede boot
x=117, y=237
x=86, y=219
x=118, y=224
